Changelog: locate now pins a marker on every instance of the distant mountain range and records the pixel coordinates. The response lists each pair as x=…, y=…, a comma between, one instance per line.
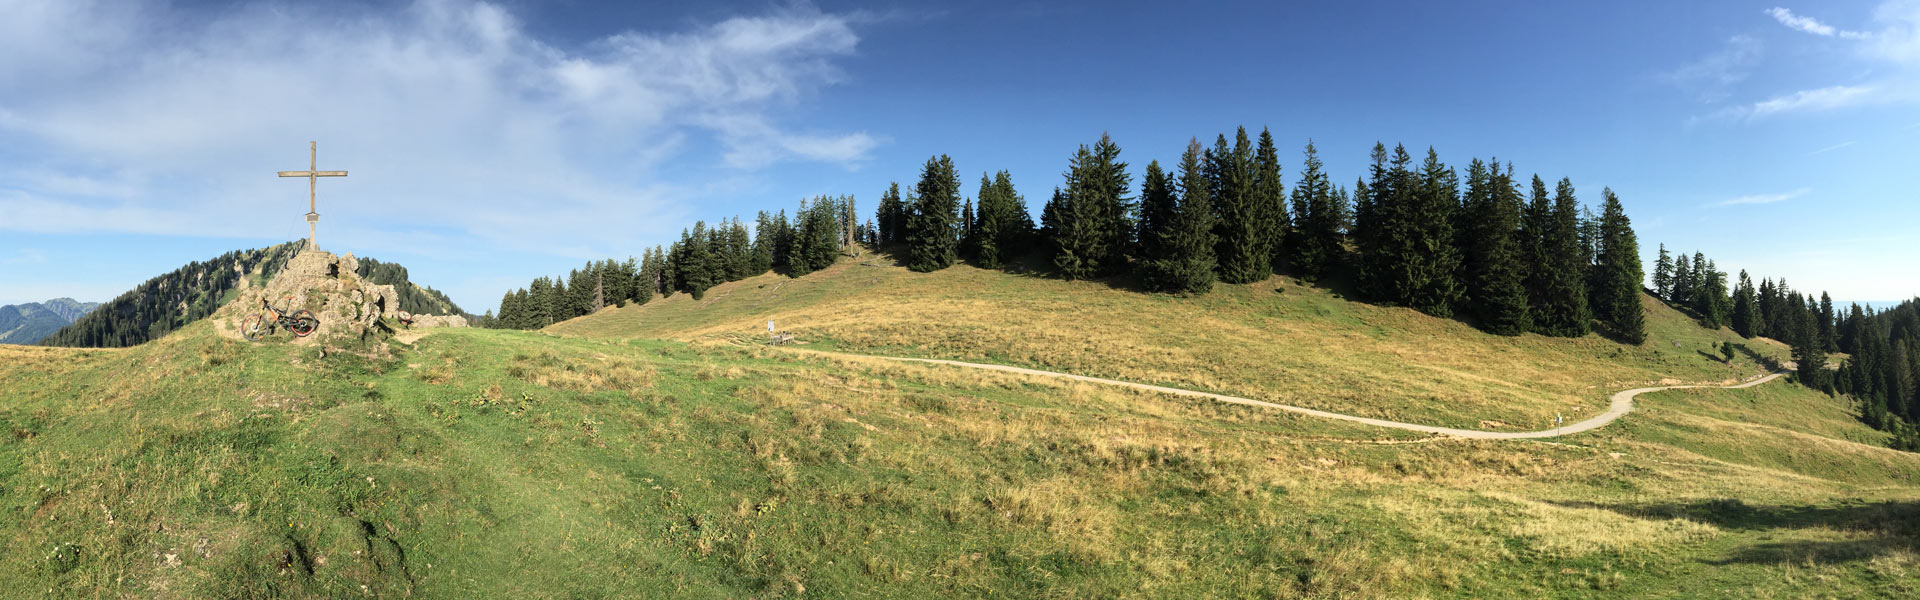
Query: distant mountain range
x=28, y=323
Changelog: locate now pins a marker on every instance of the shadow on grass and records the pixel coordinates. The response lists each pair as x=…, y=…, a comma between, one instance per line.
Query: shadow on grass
x=1890, y=527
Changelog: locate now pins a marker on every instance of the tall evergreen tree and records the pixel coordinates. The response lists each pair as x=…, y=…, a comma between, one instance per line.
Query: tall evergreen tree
x=1315, y=239
x=1682, y=291
x=1270, y=202
x=1370, y=226
x=1158, y=204
x=1495, y=263
x=1663, y=274
x=1560, y=307
x=1241, y=240
x=1746, y=311
x=1711, y=299
x=1829, y=341
x=891, y=217
x=1620, y=273
x=934, y=228
x=1428, y=262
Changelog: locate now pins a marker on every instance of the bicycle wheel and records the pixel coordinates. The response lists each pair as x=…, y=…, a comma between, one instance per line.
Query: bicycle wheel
x=302, y=323
x=252, y=327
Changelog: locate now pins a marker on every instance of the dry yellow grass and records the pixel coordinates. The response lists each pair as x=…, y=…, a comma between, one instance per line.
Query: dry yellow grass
x=1275, y=340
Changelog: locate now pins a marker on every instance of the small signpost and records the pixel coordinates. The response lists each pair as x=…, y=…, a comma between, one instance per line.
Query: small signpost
x=775, y=338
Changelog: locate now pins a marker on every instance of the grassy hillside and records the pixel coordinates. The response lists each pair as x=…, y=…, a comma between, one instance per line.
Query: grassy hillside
x=1277, y=340
x=509, y=464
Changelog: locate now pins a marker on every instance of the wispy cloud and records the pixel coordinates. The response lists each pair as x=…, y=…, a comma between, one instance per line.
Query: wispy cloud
x=1833, y=147
x=1709, y=78
x=1827, y=98
x=1763, y=198
x=1809, y=25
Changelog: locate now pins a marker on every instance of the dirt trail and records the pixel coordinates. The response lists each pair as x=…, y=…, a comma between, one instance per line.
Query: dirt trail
x=1621, y=404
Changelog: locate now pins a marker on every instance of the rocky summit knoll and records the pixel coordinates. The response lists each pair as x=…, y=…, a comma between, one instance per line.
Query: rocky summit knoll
x=351, y=311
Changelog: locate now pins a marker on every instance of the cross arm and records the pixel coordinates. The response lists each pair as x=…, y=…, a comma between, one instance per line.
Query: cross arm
x=313, y=173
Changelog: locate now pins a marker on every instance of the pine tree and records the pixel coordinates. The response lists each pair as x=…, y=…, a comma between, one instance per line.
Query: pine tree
x=1078, y=240
x=892, y=216
x=1711, y=298
x=1809, y=356
x=1829, y=341
x=1110, y=183
x=1270, y=202
x=1682, y=291
x=969, y=244
x=1560, y=306
x=1369, y=227
x=1429, y=261
x=933, y=227
x=1495, y=262
x=1241, y=246
x=1663, y=274
x=1746, y=312
x=1620, y=273
x=1315, y=239
x=1157, y=207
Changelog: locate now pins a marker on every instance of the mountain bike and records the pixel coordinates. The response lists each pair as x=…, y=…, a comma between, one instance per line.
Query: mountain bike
x=260, y=324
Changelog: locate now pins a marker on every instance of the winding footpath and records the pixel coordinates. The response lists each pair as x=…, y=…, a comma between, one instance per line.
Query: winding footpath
x=1621, y=404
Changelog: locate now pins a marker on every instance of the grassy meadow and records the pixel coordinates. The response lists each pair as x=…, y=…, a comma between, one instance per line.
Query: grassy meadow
x=648, y=452
x=1277, y=340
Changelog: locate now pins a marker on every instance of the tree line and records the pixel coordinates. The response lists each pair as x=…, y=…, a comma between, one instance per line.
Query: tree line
x=703, y=257
x=1406, y=234
x=170, y=301
x=1881, y=371
x=1507, y=260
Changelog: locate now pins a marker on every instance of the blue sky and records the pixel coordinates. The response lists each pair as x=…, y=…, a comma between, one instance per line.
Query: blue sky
x=490, y=143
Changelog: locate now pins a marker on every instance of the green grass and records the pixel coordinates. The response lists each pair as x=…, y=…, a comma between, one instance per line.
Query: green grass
x=654, y=452
x=509, y=464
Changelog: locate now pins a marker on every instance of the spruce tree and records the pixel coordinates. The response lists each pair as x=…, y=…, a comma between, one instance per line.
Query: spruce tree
x=1079, y=238
x=1746, y=312
x=1495, y=262
x=1681, y=294
x=1270, y=202
x=1429, y=260
x=1157, y=206
x=1012, y=226
x=1663, y=274
x=892, y=216
x=1241, y=246
x=763, y=243
x=1620, y=274
x=1560, y=307
x=1828, y=340
x=1315, y=239
x=1369, y=227
x=1711, y=299
x=933, y=231
x=1190, y=251
x=1110, y=183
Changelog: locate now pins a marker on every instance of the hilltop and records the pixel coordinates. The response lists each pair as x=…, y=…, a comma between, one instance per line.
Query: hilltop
x=28, y=323
x=194, y=291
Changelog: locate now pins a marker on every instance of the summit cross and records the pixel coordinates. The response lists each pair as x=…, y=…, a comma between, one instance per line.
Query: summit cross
x=312, y=174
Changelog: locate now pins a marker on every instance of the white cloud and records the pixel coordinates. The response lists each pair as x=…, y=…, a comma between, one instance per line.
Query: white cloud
x=1828, y=98
x=1709, y=78
x=450, y=115
x=1763, y=198
x=1809, y=25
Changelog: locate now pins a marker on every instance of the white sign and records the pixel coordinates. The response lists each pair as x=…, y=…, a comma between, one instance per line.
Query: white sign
x=769, y=325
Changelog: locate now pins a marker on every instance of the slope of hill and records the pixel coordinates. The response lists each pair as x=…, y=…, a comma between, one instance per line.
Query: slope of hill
x=1276, y=341
x=190, y=293
x=513, y=464
x=28, y=323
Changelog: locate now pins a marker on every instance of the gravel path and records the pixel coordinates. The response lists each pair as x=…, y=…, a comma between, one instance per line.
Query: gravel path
x=1621, y=404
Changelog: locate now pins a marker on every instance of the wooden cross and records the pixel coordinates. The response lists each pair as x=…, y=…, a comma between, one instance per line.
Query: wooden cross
x=312, y=174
